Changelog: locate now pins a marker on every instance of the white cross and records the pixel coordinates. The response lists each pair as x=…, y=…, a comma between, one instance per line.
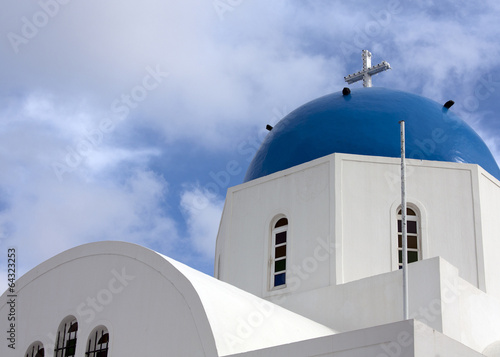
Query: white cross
x=368, y=71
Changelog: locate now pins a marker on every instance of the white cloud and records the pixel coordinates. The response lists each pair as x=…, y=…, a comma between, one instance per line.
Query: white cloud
x=46, y=217
x=225, y=77
x=219, y=69
x=202, y=211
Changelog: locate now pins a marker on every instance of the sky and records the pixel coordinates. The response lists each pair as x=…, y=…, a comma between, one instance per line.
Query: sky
x=125, y=120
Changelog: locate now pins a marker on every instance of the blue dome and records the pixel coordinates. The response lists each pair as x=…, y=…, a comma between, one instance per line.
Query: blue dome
x=366, y=122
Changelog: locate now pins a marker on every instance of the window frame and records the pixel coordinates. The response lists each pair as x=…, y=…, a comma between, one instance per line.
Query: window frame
x=69, y=330
x=416, y=217
x=35, y=349
x=274, y=233
x=94, y=348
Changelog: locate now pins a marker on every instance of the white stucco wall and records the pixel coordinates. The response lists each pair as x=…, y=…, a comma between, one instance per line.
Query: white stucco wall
x=438, y=297
x=145, y=303
x=150, y=304
x=373, y=301
x=349, y=203
x=370, y=191
x=301, y=197
x=342, y=251
x=489, y=189
x=401, y=339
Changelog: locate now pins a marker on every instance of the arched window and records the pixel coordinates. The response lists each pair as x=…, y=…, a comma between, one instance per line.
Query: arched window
x=98, y=343
x=412, y=235
x=279, y=252
x=66, y=338
x=35, y=350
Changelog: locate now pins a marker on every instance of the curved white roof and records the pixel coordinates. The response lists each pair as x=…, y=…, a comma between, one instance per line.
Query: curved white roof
x=243, y=322
x=148, y=301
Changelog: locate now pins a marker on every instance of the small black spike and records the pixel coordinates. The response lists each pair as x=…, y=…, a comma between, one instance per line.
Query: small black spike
x=346, y=91
x=269, y=127
x=448, y=104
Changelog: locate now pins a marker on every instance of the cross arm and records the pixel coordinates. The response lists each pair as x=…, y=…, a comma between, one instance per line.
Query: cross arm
x=350, y=79
x=382, y=66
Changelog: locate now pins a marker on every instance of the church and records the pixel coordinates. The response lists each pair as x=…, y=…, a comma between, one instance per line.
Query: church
x=309, y=253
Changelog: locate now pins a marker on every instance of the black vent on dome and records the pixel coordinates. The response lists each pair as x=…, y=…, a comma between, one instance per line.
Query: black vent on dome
x=448, y=104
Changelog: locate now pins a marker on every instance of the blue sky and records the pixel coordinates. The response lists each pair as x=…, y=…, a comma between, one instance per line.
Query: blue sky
x=124, y=120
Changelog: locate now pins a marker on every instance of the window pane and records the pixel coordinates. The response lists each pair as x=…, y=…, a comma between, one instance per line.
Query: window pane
x=280, y=251
x=400, y=253
x=409, y=212
x=412, y=257
x=282, y=222
x=70, y=348
x=281, y=238
x=73, y=327
x=280, y=265
x=279, y=279
x=411, y=227
x=104, y=339
x=412, y=242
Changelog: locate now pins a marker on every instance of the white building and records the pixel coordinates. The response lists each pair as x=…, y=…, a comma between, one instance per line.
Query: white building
x=307, y=257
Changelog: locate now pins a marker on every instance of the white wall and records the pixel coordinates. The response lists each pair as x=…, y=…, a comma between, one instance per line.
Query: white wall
x=243, y=242
x=401, y=339
x=349, y=202
x=343, y=237
x=438, y=298
x=151, y=305
x=489, y=189
x=143, y=315
x=370, y=192
x=372, y=301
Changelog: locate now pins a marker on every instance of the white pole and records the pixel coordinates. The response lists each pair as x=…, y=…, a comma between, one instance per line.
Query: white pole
x=403, y=223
